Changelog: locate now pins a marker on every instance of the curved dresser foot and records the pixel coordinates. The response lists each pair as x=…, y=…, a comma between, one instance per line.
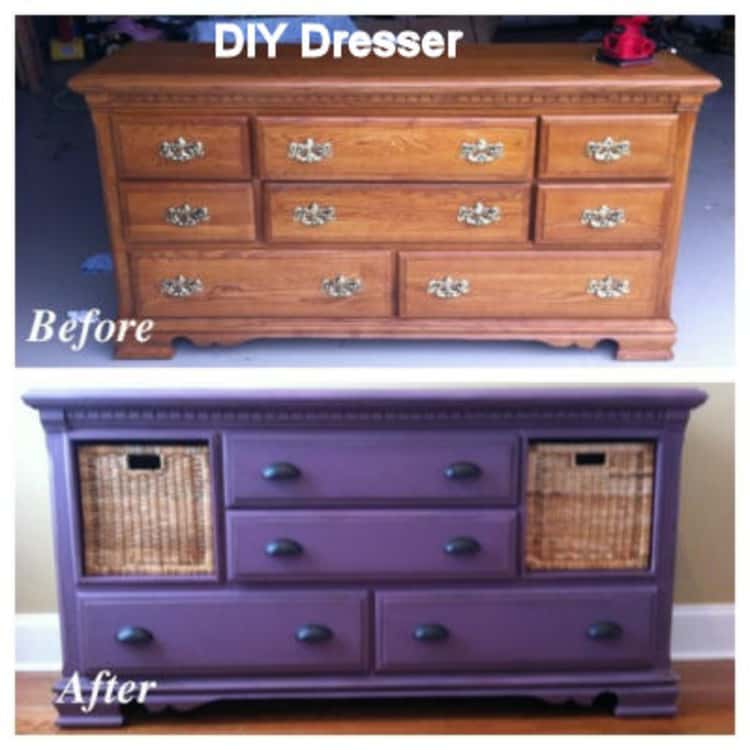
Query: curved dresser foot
x=70, y=715
x=656, y=700
x=156, y=348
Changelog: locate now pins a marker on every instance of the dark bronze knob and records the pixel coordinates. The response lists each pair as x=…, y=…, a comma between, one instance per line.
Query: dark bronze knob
x=462, y=470
x=133, y=635
x=283, y=548
x=281, y=471
x=431, y=632
x=313, y=634
x=604, y=631
x=462, y=545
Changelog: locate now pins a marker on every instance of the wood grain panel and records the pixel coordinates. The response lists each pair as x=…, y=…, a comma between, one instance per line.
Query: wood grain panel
x=403, y=213
x=230, y=207
x=397, y=148
x=564, y=139
x=552, y=285
x=559, y=210
x=226, y=145
x=279, y=284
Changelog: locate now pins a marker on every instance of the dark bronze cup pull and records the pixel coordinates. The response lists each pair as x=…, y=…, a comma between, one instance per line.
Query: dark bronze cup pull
x=604, y=631
x=133, y=635
x=462, y=470
x=462, y=545
x=283, y=548
x=313, y=634
x=432, y=632
x=281, y=471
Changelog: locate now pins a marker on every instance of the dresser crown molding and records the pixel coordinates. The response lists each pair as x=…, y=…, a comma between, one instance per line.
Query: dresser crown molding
x=504, y=194
x=357, y=543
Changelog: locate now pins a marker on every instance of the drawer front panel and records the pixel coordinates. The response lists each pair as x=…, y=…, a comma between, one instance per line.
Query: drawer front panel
x=268, y=284
x=320, y=148
x=182, y=147
x=554, y=285
x=407, y=213
x=530, y=630
x=345, y=545
x=187, y=212
x=601, y=215
x=378, y=466
x=241, y=632
x=600, y=147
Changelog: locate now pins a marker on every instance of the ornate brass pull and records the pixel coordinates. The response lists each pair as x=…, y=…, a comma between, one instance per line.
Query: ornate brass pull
x=482, y=152
x=181, y=150
x=341, y=286
x=608, y=287
x=603, y=217
x=181, y=286
x=309, y=152
x=608, y=150
x=314, y=215
x=186, y=216
x=448, y=287
x=478, y=215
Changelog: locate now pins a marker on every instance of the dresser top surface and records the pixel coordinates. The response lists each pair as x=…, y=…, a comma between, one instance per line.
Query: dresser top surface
x=516, y=398
x=551, y=67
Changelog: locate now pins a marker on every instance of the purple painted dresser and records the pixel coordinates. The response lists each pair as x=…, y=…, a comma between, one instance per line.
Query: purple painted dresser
x=297, y=544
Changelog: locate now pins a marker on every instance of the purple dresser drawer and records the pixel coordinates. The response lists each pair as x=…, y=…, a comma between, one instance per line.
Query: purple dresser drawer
x=226, y=632
x=341, y=544
x=473, y=467
x=464, y=630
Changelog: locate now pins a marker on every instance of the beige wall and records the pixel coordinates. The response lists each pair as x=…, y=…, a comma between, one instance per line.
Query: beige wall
x=705, y=564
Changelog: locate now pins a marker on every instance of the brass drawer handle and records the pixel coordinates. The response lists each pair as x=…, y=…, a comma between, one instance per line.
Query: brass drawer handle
x=608, y=287
x=314, y=215
x=341, y=286
x=309, y=152
x=181, y=286
x=186, y=216
x=603, y=217
x=482, y=152
x=607, y=150
x=478, y=215
x=448, y=287
x=182, y=150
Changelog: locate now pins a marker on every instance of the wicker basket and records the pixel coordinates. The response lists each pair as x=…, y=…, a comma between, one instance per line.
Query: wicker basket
x=146, y=509
x=589, y=506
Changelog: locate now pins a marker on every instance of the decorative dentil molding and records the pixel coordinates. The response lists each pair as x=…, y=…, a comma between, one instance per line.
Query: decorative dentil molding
x=516, y=99
x=78, y=417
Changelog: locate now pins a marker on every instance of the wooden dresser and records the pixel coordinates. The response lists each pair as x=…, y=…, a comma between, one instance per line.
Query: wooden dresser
x=515, y=192
x=277, y=545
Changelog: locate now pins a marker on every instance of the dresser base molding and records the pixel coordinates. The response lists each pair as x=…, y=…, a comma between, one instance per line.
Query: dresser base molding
x=636, y=339
x=642, y=694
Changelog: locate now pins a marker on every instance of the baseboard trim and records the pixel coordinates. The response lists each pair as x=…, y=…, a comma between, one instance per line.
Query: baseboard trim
x=699, y=632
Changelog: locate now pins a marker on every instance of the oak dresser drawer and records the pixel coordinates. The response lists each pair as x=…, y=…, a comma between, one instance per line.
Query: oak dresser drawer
x=344, y=148
x=319, y=212
x=602, y=146
x=601, y=215
x=187, y=147
x=265, y=284
x=286, y=469
x=187, y=212
x=224, y=632
x=554, y=285
x=384, y=544
x=472, y=630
